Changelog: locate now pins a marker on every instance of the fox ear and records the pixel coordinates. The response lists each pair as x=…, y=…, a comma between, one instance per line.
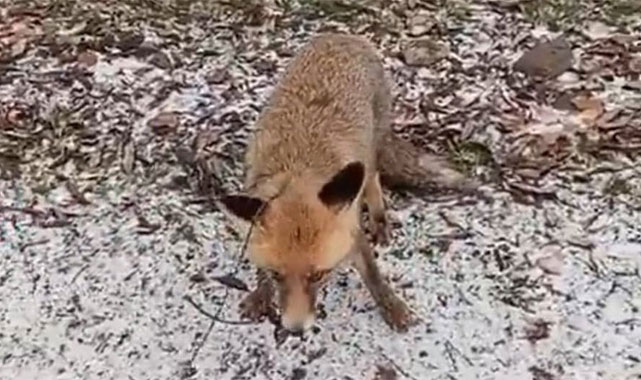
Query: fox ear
x=343, y=188
x=242, y=206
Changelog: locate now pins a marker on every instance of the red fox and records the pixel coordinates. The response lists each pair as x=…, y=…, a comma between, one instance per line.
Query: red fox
x=310, y=167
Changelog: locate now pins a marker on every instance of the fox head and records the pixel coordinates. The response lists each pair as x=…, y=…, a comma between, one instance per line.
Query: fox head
x=301, y=235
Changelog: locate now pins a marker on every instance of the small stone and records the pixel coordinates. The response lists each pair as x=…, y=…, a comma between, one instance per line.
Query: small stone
x=161, y=60
x=424, y=52
x=420, y=24
x=634, y=86
x=564, y=102
x=551, y=264
x=87, y=58
x=164, y=122
x=635, y=64
x=547, y=59
x=218, y=76
x=299, y=374
x=130, y=41
x=597, y=30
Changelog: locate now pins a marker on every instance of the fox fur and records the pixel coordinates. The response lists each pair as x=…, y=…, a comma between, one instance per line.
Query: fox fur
x=313, y=161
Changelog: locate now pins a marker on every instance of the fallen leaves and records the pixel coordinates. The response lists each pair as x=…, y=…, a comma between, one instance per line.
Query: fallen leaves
x=232, y=281
x=541, y=374
x=48, y=218
x=385, y=373
x=12, y=115
x=542, y=133
x=16, y=34
x=127, y=153
x=551, y=263
x=590, y=108
x=537, y=330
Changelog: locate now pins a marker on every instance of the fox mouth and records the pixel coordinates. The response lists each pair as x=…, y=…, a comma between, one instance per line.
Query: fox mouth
x=298, y=326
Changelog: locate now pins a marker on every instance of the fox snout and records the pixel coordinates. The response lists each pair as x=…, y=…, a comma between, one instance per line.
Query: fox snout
x=298, y=323
x=297, y=304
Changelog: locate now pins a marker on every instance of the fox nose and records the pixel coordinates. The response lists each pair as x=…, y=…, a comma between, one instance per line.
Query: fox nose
x=298, y=326
x=296, y=330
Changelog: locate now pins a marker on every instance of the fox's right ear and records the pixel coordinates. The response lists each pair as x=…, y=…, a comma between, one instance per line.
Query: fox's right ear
x=343, y=188
x=245, y=207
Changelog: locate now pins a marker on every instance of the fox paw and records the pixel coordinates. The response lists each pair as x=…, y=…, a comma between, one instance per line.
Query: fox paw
x=380, y=229
x=397, y=314
x=257, y=306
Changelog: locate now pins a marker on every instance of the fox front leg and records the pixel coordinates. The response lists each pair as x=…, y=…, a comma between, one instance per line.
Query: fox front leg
x=259, y=303
x=393, y=309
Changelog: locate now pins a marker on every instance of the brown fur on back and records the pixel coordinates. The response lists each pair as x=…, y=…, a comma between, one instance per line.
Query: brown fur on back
x=321, y=115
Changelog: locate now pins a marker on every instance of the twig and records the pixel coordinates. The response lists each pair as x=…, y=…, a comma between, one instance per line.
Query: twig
x=215, y=317
x=451, y=222
x=33, y=244
x=449, y=348
x=451, y=236
x=202, y=342
x=396, y=366
x=450, y=355
x=388, y=359
x=24, y=210
x=75, y=277
x=212, y=316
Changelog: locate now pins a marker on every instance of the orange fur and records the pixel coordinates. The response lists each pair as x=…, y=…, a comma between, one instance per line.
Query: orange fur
x=312, y=163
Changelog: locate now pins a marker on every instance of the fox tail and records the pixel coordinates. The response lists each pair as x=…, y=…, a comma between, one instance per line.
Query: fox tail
x=405, y=166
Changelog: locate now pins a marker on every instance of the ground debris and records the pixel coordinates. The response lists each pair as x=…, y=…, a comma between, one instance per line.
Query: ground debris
x=121, y=122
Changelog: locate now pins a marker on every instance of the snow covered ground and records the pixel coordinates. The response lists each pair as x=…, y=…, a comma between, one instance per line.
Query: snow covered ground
x=118, y=120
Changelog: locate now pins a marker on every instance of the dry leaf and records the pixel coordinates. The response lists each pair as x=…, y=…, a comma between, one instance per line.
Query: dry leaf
x=127, y=156
x=551, y=264
x=232, y=282
x=537, y=330
x=635, y=64
x=202, y=140
x=18, y=48
x=597, y=30
x=420, y=24
x=13, y=116
x=424, y=52
x=591, y=108
x=385, y=373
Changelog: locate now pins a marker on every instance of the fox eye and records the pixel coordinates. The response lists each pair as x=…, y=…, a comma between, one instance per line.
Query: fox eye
x=317, y=276
x=276, y=276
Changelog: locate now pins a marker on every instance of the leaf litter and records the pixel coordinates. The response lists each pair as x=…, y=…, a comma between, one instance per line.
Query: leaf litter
x=120, y=121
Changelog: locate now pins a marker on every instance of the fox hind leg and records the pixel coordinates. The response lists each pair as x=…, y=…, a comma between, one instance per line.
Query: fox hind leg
x=378, y=223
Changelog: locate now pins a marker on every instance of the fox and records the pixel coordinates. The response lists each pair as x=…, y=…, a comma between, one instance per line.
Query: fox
x=311, y=168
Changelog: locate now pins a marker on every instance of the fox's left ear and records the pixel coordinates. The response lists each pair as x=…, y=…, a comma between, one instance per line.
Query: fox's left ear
x=245, y=207
x=343, y=188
